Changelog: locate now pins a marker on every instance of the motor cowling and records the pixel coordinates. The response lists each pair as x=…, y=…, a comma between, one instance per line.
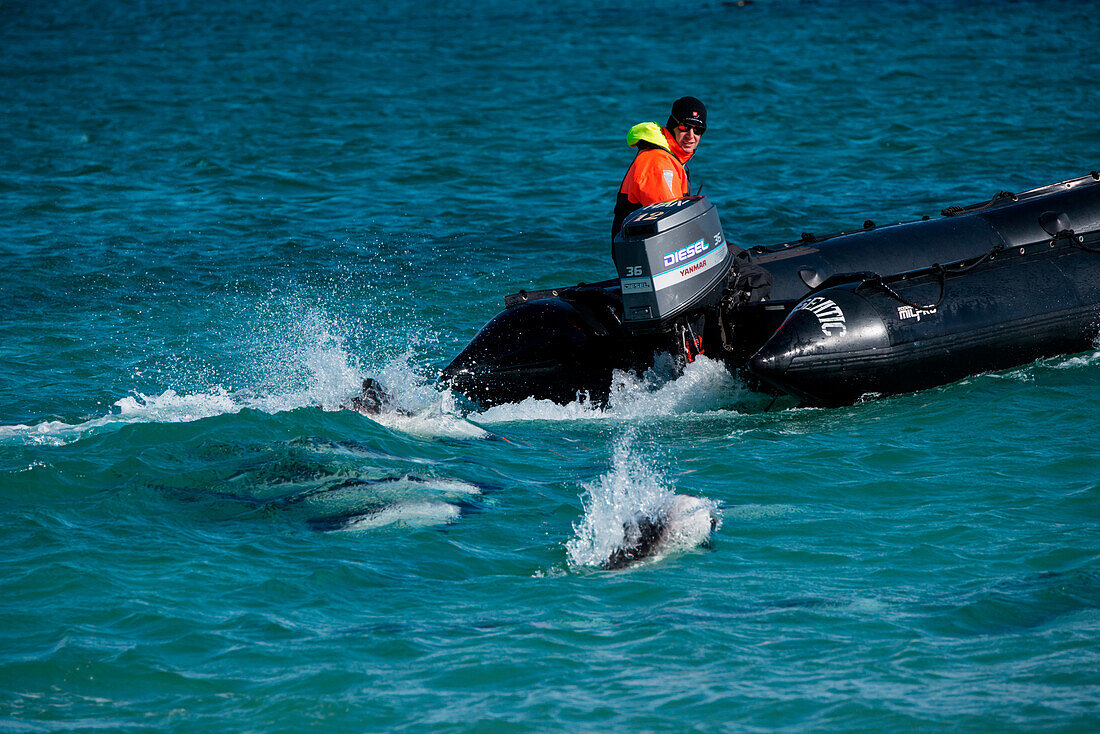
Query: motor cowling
x=672, y=261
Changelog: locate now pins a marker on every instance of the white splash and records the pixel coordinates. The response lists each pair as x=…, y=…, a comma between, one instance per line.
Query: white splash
x=633, y=491
x=702, y=386
x=45, y=433
x=419, y=407
x=170, y=407
x=309, y=364
x=305, y=365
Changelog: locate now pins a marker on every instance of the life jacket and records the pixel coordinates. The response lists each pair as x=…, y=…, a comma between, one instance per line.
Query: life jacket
x=657, y=173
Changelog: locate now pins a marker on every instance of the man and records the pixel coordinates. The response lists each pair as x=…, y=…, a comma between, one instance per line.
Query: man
x=658, y=172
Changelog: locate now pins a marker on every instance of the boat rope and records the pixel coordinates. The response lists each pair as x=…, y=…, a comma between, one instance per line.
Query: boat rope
x=954, y=211
x=1077, y=240
x=960, y=268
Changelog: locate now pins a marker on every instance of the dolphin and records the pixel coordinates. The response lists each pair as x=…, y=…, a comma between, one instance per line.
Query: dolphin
x=373, y=400
x=683, y=523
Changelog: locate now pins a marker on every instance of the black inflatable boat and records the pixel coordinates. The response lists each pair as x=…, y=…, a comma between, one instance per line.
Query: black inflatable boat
x=881, y=310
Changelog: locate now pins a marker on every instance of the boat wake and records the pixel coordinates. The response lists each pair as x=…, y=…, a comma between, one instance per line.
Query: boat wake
x=413, y=402
x=664, y=390
x=327, y=377
x=168, y=407
x=418, y=405
x=632, y=514
x=409, y=402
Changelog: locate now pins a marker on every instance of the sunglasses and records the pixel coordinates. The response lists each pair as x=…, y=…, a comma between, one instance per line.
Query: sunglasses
x=699, y=129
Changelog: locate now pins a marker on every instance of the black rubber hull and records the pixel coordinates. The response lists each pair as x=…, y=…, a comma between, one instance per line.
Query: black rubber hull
x=850, y=341
x=558, y=348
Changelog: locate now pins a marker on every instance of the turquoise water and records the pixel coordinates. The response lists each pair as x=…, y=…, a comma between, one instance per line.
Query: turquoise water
x=218, y=218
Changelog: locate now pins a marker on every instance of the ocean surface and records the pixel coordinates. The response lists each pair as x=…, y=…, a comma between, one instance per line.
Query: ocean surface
x=217, y=218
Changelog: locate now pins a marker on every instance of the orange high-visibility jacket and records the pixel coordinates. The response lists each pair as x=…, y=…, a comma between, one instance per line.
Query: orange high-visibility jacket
x=657, y=173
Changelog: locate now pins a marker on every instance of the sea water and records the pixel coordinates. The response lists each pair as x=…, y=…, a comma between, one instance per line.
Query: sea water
x=218, y=218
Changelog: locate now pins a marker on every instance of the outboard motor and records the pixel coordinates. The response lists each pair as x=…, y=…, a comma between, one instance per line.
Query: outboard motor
x=673, y=266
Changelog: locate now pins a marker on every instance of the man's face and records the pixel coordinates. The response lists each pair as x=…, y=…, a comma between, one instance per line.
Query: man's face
x=687, y=137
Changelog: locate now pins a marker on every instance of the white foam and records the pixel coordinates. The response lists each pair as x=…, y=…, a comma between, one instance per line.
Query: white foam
x=417, y=405
x=168, y=407
x=411, y=390
x=305, y=365
x=47, y=432
x=434, y=422
x=532, y=409
x=312, y=367
x=1079, y=360
x=704, y=385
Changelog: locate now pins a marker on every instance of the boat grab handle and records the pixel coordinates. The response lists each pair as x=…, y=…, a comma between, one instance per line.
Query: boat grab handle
x=878, y=282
